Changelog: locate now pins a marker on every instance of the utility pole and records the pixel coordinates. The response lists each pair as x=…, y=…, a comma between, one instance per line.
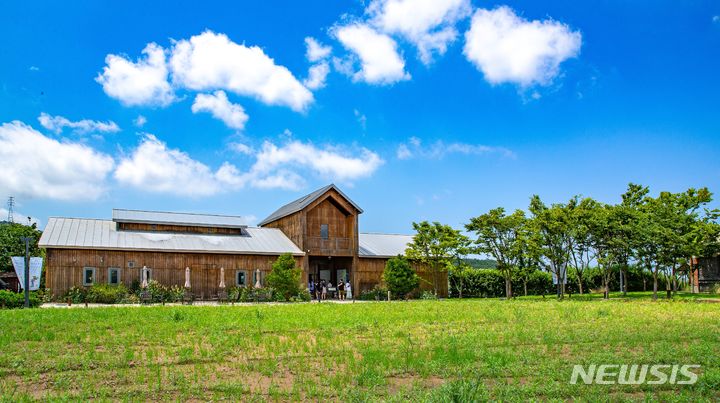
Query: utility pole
x=26, y=280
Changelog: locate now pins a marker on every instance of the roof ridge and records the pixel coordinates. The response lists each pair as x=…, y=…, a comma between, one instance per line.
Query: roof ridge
x=177, y=212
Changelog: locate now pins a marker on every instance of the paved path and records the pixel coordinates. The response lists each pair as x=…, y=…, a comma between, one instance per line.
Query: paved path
x=196, y=303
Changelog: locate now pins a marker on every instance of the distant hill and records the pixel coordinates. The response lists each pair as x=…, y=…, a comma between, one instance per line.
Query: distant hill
x=481, y=263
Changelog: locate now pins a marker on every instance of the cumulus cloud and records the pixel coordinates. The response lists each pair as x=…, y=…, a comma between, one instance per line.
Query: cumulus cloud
x=212, y=61
x=143, y=82
x=380, y=62
x=58, y=123
x=414, y=148
x=510, y=49
x=217, y=104
x=155, y=167
x=316, y=76
x=316, y=51
x=42, y=167
x=428, y=24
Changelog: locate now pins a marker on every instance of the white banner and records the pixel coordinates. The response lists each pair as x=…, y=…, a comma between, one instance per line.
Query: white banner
x=35, y=271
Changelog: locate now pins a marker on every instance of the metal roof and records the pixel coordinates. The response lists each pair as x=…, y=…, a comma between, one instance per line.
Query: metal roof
x=188, y=219
x=81, y=233
x=383, y=245
x=301, y=203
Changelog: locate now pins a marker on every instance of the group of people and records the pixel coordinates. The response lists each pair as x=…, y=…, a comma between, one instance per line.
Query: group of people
x=321, y=290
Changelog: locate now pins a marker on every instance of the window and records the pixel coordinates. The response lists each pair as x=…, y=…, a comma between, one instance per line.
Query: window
x=324, y=231
x=88, y=276
x=241, y=278
x=114, y=275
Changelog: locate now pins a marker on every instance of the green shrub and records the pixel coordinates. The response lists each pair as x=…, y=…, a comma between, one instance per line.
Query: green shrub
x=285, y=277
x=9, y=299
x=378, y=293
x=106, y=294
x=302, y=296
x=428, y=295
x=399, y=277
x=76, y=295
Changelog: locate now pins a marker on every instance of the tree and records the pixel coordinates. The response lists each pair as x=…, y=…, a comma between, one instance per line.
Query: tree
x=550, y=234
x=437, y=246
x=12, y=245
x=399, y=276
x=503, y=237
x=580, y=215
x=285, y=276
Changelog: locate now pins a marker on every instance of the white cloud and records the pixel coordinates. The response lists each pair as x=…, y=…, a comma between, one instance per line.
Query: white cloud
x=378, y=54
x=329, y=162
x=217, y=103
x=212, y=61
x=140, y=121
x=428, y=24
x=34, y=68
x=716, y=18
x=439, y=149
x=316, y=76
x=154, y=167
x=42, y=167
x=58, y=123
x=509, y=48
x=143, y=82
x=241, y=148
x=19, y=217
x=316, y=51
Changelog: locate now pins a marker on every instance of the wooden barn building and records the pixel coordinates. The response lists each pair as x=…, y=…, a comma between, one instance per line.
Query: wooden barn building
x=320, y=230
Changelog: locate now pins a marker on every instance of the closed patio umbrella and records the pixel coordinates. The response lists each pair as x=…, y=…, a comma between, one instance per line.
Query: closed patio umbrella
x=257, y=279
x=144, y=283
x=187, y=278
x=222, y=277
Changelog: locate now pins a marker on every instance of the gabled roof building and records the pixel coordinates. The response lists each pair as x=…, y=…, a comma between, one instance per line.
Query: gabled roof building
x=319, y=229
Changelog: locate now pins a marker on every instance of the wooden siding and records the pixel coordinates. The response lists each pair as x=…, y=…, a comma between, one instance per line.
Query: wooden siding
x=369, y=273
x=292, y=227
x=131, y=226
x=65, y=268
x=341, y=228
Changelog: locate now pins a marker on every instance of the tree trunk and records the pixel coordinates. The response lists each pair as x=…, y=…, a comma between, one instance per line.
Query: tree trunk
x=525, y=286
x=625, y=282
x=579, y=278
x=655, y=284
x=508, y=288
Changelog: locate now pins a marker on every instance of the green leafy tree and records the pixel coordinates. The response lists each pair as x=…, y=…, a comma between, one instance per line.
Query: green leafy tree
x=285, y=276
x=503, y=237
x=550, y=235
x=399, y=277
x=580, y=216
x=437, y=246
x=12, y=245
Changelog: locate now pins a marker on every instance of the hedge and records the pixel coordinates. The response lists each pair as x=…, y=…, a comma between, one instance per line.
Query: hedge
x=9, y=299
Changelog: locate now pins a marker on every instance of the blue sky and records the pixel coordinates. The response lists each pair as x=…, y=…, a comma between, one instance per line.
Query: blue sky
x=434, y=110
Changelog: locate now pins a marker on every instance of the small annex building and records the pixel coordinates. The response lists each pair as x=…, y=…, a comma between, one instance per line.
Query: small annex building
x=319, y=229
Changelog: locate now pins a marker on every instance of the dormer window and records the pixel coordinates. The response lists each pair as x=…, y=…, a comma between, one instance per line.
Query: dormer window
x=324, y=232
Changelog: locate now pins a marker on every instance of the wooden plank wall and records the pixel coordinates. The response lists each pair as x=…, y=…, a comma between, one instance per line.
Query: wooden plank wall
x=128, y=226
x=291, y=226
x=65, y=268
x=339, y=224
x=369, y=273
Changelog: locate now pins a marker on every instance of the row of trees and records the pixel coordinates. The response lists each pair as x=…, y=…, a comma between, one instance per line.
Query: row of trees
x=660, y=234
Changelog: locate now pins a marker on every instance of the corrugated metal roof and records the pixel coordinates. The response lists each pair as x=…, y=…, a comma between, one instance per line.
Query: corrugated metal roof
x=81, y=233
x=189, y=219
x=303, y=202
x=383, y=245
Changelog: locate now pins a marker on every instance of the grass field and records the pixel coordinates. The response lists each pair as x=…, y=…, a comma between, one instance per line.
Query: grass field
x=454, y=350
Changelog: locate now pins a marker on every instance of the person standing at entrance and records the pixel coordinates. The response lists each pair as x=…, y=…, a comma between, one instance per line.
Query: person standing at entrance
x=348, y=290
x=311, y=288
x=341, y=290
x=324, y=290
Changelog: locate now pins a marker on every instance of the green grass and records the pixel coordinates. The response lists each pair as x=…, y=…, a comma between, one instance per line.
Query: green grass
x=454, y=350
